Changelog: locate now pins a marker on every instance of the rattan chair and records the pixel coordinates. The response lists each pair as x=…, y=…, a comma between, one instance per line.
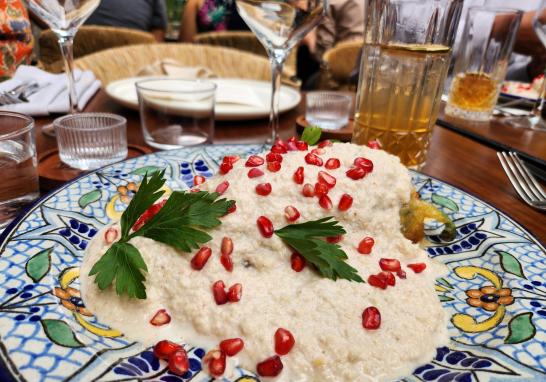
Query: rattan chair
x=338, y=64
x=114, y=64
x=242, y=40
x=90, y=39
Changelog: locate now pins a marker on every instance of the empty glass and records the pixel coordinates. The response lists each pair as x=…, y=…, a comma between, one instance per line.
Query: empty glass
x=176, y=113
x=18, y=164
x=91, y=140
x=328, y=110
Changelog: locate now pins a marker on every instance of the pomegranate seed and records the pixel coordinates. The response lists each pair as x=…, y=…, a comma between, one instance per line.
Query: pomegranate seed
x=263, y=189
x=388, y=277
x=200, y=259
x=345, y=202
x=277, y=149
x=292, y=146
x=298, y=176
x=366, y=245
x=308, y=190
x=217, y=362
x=255, y=173
x=164, y=349
x=325, y=202
x=401, y=274
x=265, y=226
x=232, y=209
x=226, y=261
x=273, y=157
x=320, y=189
x=325, y=143
x=377, y=281
x=292, y=139
x=313, y=159
x=148, y=214
x=291, y=213
x=417, y=267
x=195, y=190
x=198, y=179
x=254, y=161
x=226, y=248
x=371, y=318
x=363, y=163
x=334, y=239
x=374, y=145
x=179, y=363
x=231, y=159
x=232, y=346
x=284, y=341
x=110, y=235
x=281, y=143
x=302, y=145
x=332, y=164
x=391, y=265
x=270, y=367
x=327, y=179
x=356, y=173
x=222, y=187
x=318, y=151
x=273, y=166
x=235, y=292
x=219, y=292
x=297, y=262
x=225, y=168
x=160, y=318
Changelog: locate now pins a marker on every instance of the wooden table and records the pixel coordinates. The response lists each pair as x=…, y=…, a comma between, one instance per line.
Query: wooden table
x=453, y=158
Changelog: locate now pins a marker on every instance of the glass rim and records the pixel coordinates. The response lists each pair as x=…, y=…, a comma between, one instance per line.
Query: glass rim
x=118, y=121
x=495, y=9
x=212, y=85
x=29, y=126
x=329, y=93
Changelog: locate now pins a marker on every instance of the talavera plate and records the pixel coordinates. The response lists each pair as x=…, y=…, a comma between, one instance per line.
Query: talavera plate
x=47, y=334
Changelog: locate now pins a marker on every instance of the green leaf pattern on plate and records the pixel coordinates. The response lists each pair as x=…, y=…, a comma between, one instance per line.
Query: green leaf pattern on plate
x=38, y=266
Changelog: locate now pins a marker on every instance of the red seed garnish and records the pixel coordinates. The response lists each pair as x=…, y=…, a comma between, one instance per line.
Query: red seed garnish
x=270, y=367
x=198, y=179
x=334, y=239
x=164, y=349
x=332, y=164
x=225, y=168
x=235, y=292
x=280, y=142
x=231, y=159
x=148, y=214
x=308, y=190
x=284, y=341
x=263, y=189
x=254, y=161
x=226, y=248
x=110, y=235
x=273, y=157
x=160, y=318
x=378, y=282
x=273, y=166
x=291, y=145
x=374, y=145
x=388, y=277
x=313, y=159
x=232, y=209
x=255, y=173
x=291, y=139
x=401, y=274
x=217, y=362
x=417, y=267
x=363, y=163
x=356, y=173
x=298, y=176
x=345, y=202
x=371, y=318
x=297, y=262
x=179, y=363
x=302, y=145
x=219, y=292
x=327, y=179
x=226, y=261
x=319, y=151
x=277, y=149
x=325, y=143
x=391, y=265
x=222, y=187
x=366, y=245
x=325, y=202
x=232, y=346
x=321, y=189
x=291, y=213
x=201, y=257
x=265, y=226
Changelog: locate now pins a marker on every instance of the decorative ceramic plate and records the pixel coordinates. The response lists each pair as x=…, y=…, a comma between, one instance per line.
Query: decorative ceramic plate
x=46, y=333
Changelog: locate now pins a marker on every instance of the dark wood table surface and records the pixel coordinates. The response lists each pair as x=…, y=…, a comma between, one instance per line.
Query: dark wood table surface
x=453, y=158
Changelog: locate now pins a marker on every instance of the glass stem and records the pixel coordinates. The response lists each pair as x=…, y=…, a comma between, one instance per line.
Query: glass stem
x=66, y=43
x=276, y=58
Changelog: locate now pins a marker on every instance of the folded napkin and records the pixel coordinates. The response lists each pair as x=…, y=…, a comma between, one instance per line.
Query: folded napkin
x=52, y=96
x=172, y=68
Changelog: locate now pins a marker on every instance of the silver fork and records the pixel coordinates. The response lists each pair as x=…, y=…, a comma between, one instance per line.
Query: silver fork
x=523, y=181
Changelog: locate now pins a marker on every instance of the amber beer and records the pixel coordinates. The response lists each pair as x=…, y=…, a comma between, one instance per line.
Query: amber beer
x=473, y=92
x=399, y=97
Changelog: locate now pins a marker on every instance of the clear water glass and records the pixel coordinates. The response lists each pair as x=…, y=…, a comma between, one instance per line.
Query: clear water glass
x=176, y=113
x=91, y=140
x=18, y=165
x=328, y=110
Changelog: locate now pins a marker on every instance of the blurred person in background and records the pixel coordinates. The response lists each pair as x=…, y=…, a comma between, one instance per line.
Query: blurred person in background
x=15, y=37
x=144, y=15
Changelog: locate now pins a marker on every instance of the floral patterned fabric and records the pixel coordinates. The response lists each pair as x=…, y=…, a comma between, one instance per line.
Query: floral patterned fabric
x=219, y=15
x=15, y=36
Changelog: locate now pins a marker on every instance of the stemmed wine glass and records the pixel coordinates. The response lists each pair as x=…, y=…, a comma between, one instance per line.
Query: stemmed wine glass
x=64, y=17
x=279, y=25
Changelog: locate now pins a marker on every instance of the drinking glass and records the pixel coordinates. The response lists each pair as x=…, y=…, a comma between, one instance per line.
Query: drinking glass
x=64, y=17
x=328, y=110
x=280, y=25
x=405, y=58
x=482, y=62
x=18, y=164
x=176, y=113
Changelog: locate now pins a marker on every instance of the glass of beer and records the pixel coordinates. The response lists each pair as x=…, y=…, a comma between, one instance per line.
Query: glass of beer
x=482, y=61
x=405, y=59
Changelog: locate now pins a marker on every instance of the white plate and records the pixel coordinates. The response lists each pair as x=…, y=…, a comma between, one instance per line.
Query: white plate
x=124, y=93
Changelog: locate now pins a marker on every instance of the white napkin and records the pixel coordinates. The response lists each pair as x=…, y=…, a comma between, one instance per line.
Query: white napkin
x=53, y=94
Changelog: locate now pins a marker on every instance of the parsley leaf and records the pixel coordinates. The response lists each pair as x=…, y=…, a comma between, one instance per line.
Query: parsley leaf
x=329, y=259
x=311, y=135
